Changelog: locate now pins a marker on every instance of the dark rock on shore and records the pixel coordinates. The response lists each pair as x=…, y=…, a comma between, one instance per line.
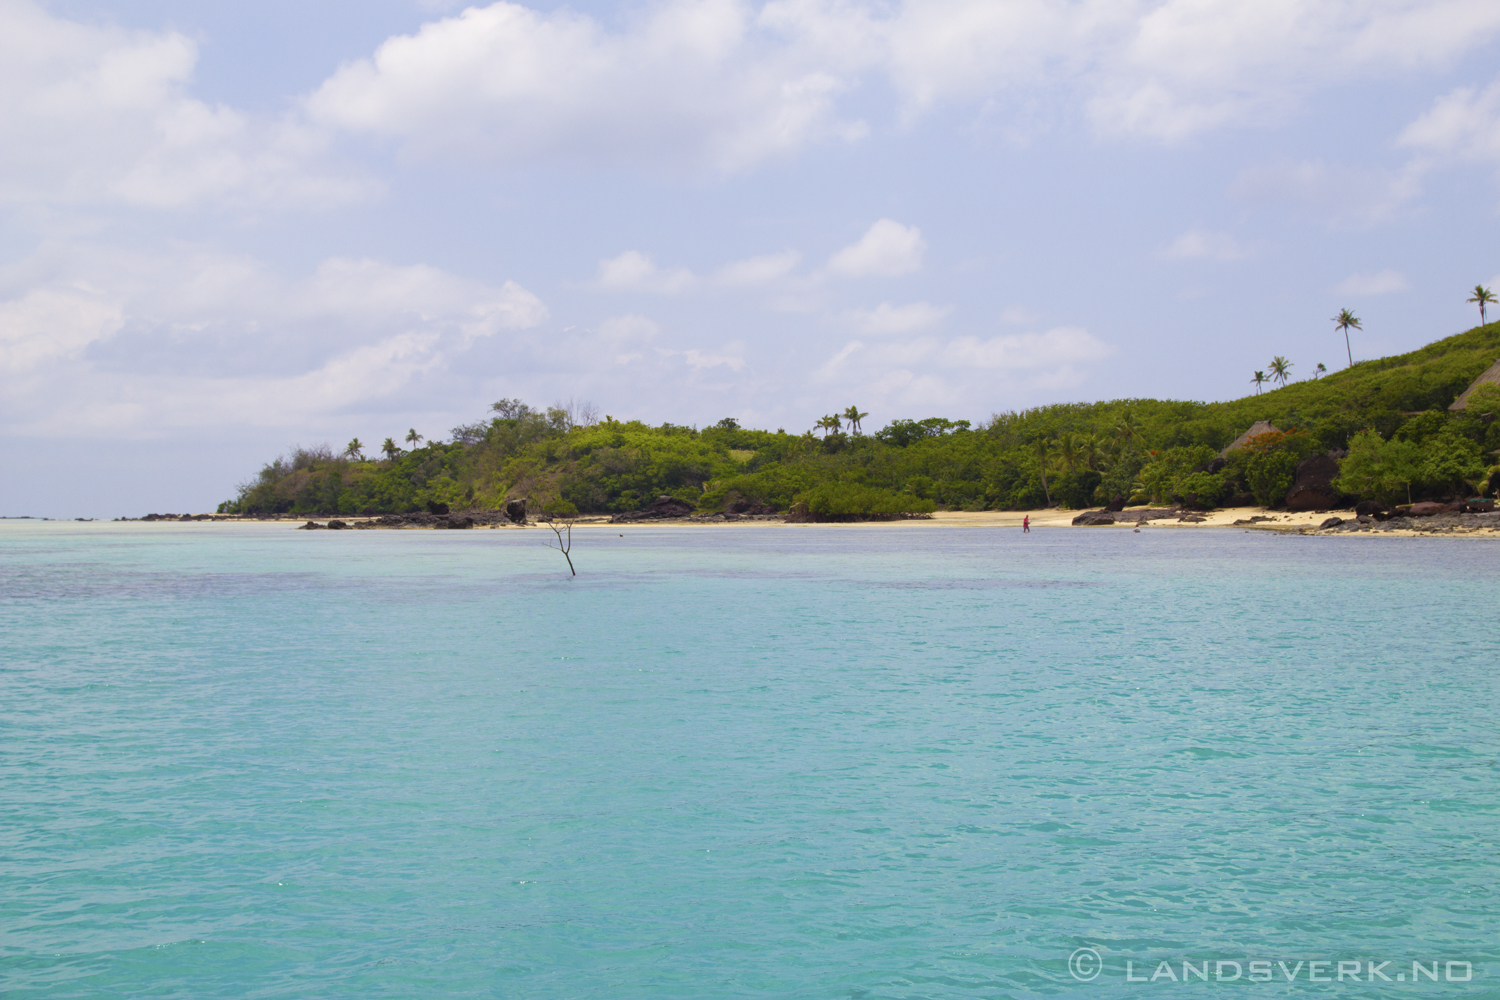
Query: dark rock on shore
x=515, y=510
x=1092, y=517
x=1427, y=508
x=310, y=526
x=663, y=507
x=1371, y=507
x=337, y=525
x=1117, y=504
x=1332, y=522
x=1313, y=487
x=433, y=507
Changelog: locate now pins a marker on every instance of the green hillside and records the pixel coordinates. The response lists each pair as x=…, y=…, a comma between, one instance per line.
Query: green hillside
x=1390, y=413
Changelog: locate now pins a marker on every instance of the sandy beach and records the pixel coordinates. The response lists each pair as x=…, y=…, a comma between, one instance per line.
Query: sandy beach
x=1239, y=518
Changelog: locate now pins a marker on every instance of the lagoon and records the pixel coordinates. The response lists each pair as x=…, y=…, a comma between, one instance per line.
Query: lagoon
x=895, y=760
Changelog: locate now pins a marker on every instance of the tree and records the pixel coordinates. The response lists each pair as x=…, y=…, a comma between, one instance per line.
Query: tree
x=391, y=449
x=1484, y=297
x=1281, y=369
x=854, y=417
x=1344, y=321
x=1088, y=450
x=413, y=438
x=829, y=424
x=1379, y=468
x=1320, y=371
x=1451, y=462
x=1259, y=378
x=355, y=450
x=564, y=542
x=1068, y=451
x=1042, y=449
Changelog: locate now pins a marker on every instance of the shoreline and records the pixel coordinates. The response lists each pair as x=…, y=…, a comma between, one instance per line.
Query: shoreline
x=1243, y=518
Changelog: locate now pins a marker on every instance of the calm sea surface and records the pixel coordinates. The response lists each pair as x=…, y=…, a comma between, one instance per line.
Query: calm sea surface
x=751, y=761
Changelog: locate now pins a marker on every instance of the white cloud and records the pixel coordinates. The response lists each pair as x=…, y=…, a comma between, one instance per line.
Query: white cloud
x=757, y=270
x=1379, y=283
x=886, y=318
x=730, y=84
x=930, y=371
x=731, y=357
x=887, y=249
x=1198, y=243
x=91, y=113
x=629, y=328
x=133, y=343
x=623, y=337
x=1060, y=346
x=1357, y=196
x=634, y=271
x=686, y=82
x=1462, y=124
x=52, y=324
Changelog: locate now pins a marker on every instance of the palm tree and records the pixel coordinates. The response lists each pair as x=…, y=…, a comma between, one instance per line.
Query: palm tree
x=1088, y=450
x=1483, y=296
x=1067, y=450
x=854, y=417
x=413, y=437
x=1259, y=378
x=355, y=449
x=1281, y=369
x=1126, y=430
x=829, y=424
x=1042, y=449
x=1344, y=321
x=391, y=450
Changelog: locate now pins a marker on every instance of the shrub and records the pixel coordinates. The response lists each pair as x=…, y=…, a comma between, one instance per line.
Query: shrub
x=1451, y=463
x=1379, y=469
x=1073, y=490
x=1270, y=476
x=1207, y=487
x=852, y=499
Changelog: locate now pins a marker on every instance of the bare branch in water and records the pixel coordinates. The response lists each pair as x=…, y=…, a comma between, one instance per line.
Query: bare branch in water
x=564, y=542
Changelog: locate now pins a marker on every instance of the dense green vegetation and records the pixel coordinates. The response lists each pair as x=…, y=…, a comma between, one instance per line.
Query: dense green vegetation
x=1391, y=414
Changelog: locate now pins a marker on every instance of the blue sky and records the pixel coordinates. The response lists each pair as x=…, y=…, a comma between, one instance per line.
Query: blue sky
x=228, y=228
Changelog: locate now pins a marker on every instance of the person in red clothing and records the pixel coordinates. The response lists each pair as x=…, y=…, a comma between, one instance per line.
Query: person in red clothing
x=1026, y=525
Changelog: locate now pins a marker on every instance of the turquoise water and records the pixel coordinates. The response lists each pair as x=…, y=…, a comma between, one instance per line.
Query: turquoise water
x=751, y=761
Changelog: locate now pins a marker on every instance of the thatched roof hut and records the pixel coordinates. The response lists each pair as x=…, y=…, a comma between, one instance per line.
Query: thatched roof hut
x=1256, y=430
x=1491, y=376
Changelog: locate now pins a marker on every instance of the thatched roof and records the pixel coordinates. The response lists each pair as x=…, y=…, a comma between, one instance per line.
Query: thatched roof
x=1491, y=376
x=1256, y=430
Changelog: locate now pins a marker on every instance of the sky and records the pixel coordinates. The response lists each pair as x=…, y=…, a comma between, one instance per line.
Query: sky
x=227, y=229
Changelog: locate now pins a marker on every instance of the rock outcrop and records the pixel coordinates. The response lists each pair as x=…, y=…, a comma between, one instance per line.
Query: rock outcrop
x=662, y=508
x=1313, y=487
x=1370, y=507
x=1116, y=504
x=515, y=510
x=1093, y=517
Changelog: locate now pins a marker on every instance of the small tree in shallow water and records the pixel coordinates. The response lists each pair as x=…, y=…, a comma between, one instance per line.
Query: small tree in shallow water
x=564, y=542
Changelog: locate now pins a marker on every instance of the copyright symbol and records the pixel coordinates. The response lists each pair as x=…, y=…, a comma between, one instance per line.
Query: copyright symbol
x=1085, y=965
